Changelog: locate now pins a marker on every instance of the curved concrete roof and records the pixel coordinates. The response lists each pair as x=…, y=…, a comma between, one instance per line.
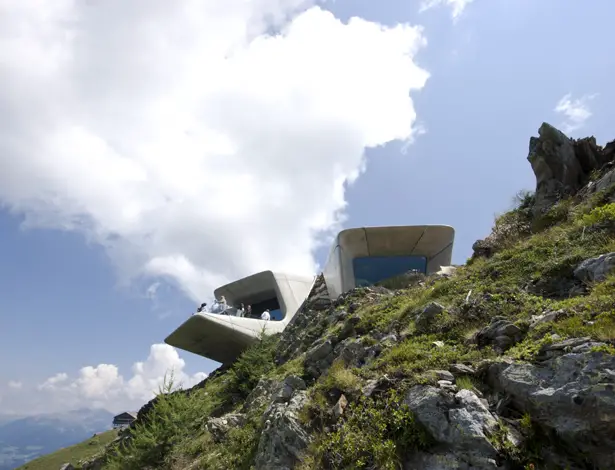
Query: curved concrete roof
x=221, y=337
x=400, y=240
x=434, y=242
x=289, y=290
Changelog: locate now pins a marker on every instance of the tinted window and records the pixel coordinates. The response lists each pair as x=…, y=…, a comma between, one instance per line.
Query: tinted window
x=272, y=304
x=275, y=314
x=372, y=269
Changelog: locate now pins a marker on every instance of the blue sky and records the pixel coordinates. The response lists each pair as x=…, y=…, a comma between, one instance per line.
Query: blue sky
x=73, y=294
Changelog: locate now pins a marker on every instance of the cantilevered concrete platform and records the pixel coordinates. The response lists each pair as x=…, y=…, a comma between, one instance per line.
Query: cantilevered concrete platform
x=222, y=337
x=382, y=252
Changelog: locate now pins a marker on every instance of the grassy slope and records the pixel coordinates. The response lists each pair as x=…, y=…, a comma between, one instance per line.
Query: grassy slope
x=531, y=262
x=73, y=454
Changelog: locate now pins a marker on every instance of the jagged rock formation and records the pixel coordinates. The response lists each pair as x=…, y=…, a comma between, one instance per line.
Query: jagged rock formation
x=507, y=362
x=283, y=437
x=563, y=165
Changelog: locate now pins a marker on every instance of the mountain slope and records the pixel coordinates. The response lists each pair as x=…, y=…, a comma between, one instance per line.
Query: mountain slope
x=507, y=362
x=26, y=438
x=73, y=454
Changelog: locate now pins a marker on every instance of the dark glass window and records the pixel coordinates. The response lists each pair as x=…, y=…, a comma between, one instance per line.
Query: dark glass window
x=275, y=314
x=372, y=269
x=272, y=304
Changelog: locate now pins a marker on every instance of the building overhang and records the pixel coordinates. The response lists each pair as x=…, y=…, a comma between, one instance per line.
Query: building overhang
x=212, y=336
x=433, y=242
x=221, y=337
x=429, y=241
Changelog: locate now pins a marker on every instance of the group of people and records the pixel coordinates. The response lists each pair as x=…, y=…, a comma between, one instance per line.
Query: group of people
x=221, y=307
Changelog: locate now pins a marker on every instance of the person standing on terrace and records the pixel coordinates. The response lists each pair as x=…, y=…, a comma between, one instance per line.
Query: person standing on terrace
x=219, y=306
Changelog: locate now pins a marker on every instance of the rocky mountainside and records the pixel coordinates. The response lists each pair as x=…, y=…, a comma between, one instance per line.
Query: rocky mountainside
x=507, y=362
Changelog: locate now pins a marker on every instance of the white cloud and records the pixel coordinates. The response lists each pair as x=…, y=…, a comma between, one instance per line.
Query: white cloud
x=149, y=375
x=14, y=384
x=152, y=290
x=189, y=143
x=55, y=382
x=101, y=382
x=457, y=6
x=576, y=111
x=102, y=385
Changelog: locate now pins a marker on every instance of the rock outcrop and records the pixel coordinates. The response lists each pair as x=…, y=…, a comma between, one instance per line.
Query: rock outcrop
x=571, y=396
x=283, y=438
x=500, y=333
x=596, y=269
x=562, y=165
x=460, y=424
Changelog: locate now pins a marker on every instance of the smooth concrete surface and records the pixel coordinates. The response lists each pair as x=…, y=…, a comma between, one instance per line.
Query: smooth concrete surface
x=290, y=290
x=221, y=337
x=434, y=242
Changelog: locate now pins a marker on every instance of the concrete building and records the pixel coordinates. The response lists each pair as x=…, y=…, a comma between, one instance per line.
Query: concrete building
x=223, y=337
x=367, y=255
x=359, y=256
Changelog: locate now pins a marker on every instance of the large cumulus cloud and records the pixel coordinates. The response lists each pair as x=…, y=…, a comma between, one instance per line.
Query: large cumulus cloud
x=201, y=140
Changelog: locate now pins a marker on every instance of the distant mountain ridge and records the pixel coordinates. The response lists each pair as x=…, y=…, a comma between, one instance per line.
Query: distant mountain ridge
x=25, y=438
x=5, y=418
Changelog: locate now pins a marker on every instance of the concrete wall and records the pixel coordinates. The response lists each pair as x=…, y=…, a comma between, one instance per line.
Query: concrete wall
x=222, y=338
x=290, y=290
x=435, y=242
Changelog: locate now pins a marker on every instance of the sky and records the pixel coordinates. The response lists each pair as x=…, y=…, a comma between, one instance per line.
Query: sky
x=151, y=151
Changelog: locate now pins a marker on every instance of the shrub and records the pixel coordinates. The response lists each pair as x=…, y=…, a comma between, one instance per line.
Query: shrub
x=375, y=433
x=255, y=363
x=237, y=451
x=529, y=348
x=524, y=200
x=514, y=224
x=509, y=228
x=170, y=421
x=341, y=378
x=600, y=215
x=465, y=382
x=559, y=213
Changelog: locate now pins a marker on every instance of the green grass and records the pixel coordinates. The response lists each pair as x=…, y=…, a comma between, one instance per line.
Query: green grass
x=73, y=454
x=341, y=378
x=418, y=354
x=465, y=383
